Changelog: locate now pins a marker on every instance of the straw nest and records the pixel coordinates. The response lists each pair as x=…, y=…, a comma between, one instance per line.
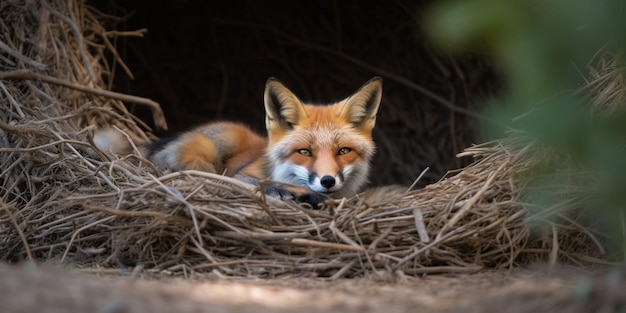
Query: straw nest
x=62, y=200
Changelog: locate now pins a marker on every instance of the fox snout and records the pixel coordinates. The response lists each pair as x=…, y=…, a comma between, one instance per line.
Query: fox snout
x=325, y=183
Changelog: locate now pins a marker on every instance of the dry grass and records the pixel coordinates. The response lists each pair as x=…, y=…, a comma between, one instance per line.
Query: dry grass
x=606, y=82
x=64, y=201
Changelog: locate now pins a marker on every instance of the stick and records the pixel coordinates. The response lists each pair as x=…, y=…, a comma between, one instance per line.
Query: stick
x=420, y=226
x=343, y=237
x=157, y=113
x=20, y=233
x=16, y=54
x=321, y=244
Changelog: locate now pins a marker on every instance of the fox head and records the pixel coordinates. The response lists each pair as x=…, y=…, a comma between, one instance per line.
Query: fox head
x=325, y=148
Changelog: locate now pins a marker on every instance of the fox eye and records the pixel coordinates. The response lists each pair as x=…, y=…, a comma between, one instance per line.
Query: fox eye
x=343, y=151
x=305, y=152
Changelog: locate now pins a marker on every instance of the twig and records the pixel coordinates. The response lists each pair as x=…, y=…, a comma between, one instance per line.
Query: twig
x=443, y=269
x=321, y=244
x=41, y=147
x=342, y=271
x=19, y=231
x=260, y=236
x=419, y=225
x=343, y=237
x=134, y=214
x=157, y=113
x=554, y=252
x=16, y=54
x=418, y=179
x=12, y=101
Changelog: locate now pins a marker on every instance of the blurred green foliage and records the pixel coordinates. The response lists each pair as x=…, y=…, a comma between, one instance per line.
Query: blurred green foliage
x=543, y=48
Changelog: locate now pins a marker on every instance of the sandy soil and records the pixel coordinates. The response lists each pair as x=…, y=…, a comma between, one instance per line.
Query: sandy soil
x=28, y=289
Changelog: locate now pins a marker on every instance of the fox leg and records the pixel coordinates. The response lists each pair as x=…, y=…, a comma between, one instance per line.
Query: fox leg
x=285, y=192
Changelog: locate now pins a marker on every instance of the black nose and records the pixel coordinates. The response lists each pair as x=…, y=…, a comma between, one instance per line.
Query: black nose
x=327, y=181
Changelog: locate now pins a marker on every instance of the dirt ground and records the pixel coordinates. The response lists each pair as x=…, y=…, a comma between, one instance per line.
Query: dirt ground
x=29, y=289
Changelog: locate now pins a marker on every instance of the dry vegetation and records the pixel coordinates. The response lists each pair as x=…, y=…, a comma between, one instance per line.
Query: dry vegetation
x=64, y=201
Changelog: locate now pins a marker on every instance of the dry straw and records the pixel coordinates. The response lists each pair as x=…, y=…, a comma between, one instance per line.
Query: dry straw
x=61, y=200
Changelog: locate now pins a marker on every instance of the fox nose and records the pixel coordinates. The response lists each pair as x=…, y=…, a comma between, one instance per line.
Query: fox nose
x=327, y=181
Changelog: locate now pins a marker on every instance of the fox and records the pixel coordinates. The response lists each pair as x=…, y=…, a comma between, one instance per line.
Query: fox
x=321, y=151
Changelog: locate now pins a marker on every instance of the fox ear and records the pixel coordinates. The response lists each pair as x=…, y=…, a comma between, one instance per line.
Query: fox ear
x=361, y=108
x=281, y=105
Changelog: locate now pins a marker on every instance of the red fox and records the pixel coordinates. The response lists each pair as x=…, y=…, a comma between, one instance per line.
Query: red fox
x=325, y=149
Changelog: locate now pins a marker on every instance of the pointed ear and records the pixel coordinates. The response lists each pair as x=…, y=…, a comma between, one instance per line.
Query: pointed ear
x=361, y=108
x=282, y=107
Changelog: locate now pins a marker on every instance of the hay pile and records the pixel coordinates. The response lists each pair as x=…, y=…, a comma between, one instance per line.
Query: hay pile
x=62, y=200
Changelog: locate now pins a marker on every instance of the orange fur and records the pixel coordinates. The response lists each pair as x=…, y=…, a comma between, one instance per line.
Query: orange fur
x=198, y=153
x=325, y=149
x=249, y=148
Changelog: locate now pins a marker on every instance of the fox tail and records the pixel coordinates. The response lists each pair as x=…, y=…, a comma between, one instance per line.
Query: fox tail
x=114, y=141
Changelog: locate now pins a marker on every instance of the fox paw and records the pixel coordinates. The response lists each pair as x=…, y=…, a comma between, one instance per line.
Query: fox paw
x=313, y=199
x=277, y=191
x=280, y=192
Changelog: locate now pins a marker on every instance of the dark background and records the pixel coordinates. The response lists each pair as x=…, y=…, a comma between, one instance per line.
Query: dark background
x=208, y=60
